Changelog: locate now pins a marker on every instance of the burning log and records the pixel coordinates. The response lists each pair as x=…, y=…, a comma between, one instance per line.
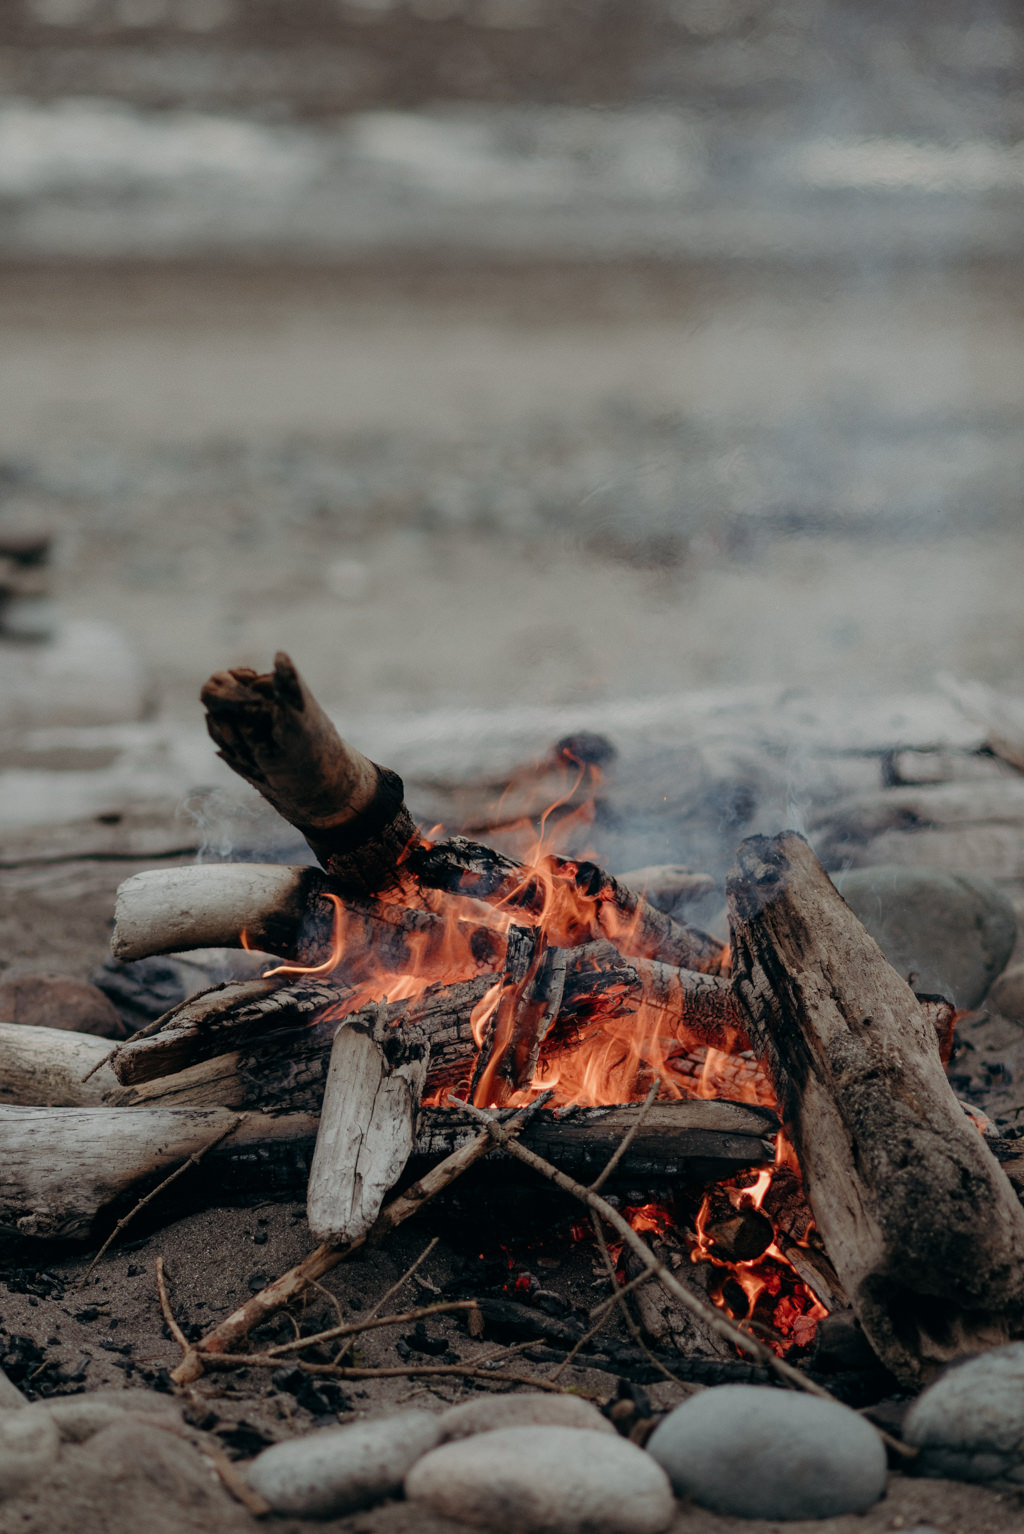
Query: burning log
x=261, y=1018
x=292, y=914
x=919, y=1221
x=577, y=901
x=117, y=1154
x=367, y=1127
x=272, y=732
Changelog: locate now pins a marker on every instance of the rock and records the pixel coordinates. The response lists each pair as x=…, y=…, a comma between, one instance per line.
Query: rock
x=952, y=933
x=969, y=1424
x=57, y=1001
x=77, y=1418
x=128, y=1477
x=337, y=1470
x=545, y=1480
x=753, y=1452
x=29, y=1444
x=530, y=1409
x=1007, y=994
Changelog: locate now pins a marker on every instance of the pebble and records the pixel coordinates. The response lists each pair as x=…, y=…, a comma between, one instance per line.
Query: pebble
x=749, y=1451
x=57, y=1001
x=953, y=933
x=29, y=1444
x=78, y=1418
x=1007, y=995
x=969, y=1424
x=545, y=1480
x=337, y=1470
x=530, y=1409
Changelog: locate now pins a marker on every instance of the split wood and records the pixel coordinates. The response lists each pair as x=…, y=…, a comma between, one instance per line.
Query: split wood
x=323, y=1258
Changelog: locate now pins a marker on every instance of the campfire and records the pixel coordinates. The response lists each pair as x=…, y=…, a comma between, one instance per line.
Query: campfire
x=772, y=1114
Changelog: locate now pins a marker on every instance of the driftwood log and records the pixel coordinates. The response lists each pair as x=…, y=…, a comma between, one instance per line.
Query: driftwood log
x=271, y=730
x=66, y=1167
x=918, y=1219
x=367, y=1126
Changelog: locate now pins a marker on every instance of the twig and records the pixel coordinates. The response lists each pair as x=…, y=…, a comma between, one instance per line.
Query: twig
x=234, y=1480
x=323, y=1258
x=165, y=1307
x=627, y=1139
x=193, y=1160
x=707, y=1313
x=370, y=1323
x=599, y=1315
x=620, y=1300
x=392, y=1371
x=400, y=1283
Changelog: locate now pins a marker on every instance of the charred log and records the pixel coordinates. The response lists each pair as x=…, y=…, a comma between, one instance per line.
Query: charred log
x=922, y=1226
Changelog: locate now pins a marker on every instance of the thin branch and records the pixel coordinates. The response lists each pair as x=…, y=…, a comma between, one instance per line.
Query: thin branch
x=193, y=1160
x=165, y=1307
x=627, y=1138
x=275, y=1296
x=395, y=1288
x=620, y=1300
x=370, y=1323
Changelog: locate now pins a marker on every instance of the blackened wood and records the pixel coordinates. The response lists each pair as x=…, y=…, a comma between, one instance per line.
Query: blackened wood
x=63, y=1167
x=577, y=901
x=273, y=732
x=517, y=1015
x=367, y=1126
x=922, y=1226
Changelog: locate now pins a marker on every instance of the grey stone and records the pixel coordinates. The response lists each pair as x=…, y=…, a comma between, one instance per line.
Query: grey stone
x=58, y=1001
x=131, y=1476
x=969, y=1424
x=533, y=1408
x=545, y=1480
x=29, y=1444
x=1007, y=994
x=77, y=1418
x=753, y=1452
x=337, y=1470
x=952, y=933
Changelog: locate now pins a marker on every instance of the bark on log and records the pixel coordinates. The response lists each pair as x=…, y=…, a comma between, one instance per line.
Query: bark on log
x=63, y=1167
x=367, y=1127
x=272, y=731
x=577, y=902
x=293, y=914
x=598, y=984
x=921, y=1224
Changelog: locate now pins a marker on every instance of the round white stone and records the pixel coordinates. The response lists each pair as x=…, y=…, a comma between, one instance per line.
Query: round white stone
x=534, y=1408
x=29, y=1445
x=545, y=1480
x=969, y=1425
x=753, y=1452
x=337, y=1470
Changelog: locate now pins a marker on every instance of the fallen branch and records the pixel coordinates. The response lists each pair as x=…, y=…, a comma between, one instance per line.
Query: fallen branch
x=322, y=1259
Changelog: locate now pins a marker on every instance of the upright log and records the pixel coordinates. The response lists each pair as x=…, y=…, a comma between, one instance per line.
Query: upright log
x=920, y=1222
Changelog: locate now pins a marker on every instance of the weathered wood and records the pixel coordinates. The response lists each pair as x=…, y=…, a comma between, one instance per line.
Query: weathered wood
x=280, y=910
x=272, y=732
x=519, y=1012
x=46, y=1067
x=922, y=1226
x=597, y=984
x=576, y=901
x=667, y=885
x=367, y=1126
x=63, y=1167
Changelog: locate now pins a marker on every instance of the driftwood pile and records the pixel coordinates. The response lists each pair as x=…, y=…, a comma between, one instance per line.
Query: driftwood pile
x=507, y=979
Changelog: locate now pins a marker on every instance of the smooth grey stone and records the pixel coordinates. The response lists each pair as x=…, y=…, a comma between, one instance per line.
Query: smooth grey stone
x=952, y=933
x=545, y=1480
x=969, y=1424
x=1007, y=994
x=533, y=1408
x=753, y=1452
x=79, y=1417
x=29, y=1445
x=339, y=1469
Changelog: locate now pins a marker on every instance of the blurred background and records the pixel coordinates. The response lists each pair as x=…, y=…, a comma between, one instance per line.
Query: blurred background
x=508, y=353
